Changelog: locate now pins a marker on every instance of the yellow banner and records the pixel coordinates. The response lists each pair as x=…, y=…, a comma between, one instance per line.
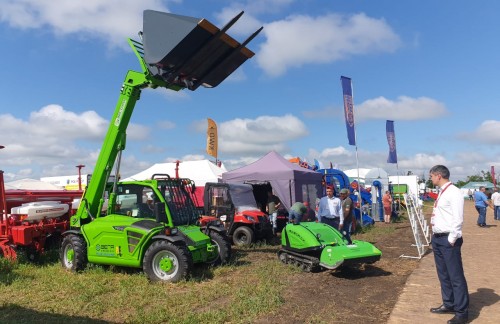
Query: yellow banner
x=212, y=138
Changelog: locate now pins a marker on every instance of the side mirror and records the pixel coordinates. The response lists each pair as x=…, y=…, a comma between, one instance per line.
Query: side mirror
x=160, y=212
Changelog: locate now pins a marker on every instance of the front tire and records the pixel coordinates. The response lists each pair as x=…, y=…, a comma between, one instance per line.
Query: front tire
x=223, y=249
x=166, y=262
x=73, y=253
x=243, y=236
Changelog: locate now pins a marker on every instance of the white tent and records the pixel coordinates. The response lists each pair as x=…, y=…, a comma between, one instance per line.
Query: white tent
x=200, y=171
x=353, y=174
x=367, y=176
x=31, y=184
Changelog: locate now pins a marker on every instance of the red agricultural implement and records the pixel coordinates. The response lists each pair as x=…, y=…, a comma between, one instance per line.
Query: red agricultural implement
x=32, y=220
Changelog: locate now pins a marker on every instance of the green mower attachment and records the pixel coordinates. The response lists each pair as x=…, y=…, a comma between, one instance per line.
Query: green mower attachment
x=314, y=246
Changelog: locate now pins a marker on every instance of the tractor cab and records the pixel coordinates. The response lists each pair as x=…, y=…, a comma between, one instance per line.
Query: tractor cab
x=235, y=206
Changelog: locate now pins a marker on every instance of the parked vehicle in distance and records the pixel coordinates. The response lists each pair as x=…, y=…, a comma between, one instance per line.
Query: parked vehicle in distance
x=235, y=206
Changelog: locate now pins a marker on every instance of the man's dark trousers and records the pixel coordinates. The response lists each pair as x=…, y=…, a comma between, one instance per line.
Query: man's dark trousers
x=450, y=272
x=333, y=222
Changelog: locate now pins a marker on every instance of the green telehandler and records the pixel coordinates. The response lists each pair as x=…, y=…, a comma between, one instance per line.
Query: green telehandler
x=153, y=224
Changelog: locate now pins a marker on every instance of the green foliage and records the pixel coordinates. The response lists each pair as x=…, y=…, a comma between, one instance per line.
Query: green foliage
x=6, y=265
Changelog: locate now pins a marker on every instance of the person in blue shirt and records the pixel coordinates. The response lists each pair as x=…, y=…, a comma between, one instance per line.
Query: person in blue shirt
x=481, y=202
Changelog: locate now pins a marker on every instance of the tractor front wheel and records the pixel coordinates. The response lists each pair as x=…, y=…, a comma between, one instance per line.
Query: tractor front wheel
x=223, y=249
x=243, y=236
x=73, y=253
x=164, y=261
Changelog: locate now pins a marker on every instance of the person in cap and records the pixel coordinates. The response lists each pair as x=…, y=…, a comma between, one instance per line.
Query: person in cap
x=348, y=212
x=330, y=210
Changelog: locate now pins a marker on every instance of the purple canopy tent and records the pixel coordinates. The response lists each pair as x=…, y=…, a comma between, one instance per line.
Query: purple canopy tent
x=290, y=182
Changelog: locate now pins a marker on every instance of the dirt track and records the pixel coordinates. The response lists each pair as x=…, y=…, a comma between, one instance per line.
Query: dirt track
x=365, y=295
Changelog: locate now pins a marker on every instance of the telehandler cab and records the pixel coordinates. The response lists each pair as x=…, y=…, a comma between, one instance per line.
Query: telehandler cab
x=161, y=237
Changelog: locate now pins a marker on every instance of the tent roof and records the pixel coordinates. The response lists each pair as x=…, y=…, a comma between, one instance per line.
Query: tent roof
x=270, y=166
x=289, y=181
x=31, y=184
x=476, y=185
x=200, y=171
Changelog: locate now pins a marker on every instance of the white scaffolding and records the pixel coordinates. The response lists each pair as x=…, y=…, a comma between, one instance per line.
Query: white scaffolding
x=419, y=226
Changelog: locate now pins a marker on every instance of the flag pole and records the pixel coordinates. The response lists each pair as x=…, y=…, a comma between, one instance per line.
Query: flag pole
x=347, y=93
x=393, y=156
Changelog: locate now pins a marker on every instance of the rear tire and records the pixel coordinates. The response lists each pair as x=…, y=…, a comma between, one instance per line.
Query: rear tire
x=243, y=236
x=223, y=248
x=73, y=253
x=166, y=262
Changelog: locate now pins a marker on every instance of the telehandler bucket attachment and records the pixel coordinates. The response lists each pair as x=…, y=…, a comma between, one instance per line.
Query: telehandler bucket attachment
x=189, y=51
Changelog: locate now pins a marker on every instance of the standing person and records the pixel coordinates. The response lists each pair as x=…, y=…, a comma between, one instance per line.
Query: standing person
x=330, y=210
x=387, y=202
x=273, y=204
x=481, y=202
x=348, y=212
x=495, y=198
x=296, y=212
x=470, y=194
x=447, y=220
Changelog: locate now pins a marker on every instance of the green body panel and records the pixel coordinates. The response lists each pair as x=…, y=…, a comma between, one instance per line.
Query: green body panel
x=335, y=255
x=313, y=238
x=305, y=235
x=119, y=240
x=199, y=245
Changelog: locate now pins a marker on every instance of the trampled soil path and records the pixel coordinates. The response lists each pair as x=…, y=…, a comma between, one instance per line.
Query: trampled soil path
x=397, y=290
x=481, y=259
x=364, y=295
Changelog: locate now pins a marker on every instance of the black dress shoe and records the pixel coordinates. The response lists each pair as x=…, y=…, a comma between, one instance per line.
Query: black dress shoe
x=458, y=320
x=442, y=310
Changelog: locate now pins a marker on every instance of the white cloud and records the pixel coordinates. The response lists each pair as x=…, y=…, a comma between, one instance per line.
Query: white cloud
x=404, y=108
x=487, y=133
x=301, y=39
x=334, y=152
x=422, y=161
x=110, y=20
x=52, y=135
x=259, y=135
x=166, y=124
x=248, y=23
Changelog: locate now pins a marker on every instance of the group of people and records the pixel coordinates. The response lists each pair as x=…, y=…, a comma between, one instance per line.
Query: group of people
x=481, y=202
x=446, y=221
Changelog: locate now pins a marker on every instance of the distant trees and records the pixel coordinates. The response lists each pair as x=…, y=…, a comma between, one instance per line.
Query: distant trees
x=481, y=177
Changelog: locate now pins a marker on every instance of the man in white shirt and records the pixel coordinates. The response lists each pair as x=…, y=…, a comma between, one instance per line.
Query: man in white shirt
x=447, y=220
x=330, y=210
x=495, y=198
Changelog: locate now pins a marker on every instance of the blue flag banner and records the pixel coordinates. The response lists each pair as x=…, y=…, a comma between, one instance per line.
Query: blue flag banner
x=348, y=109
x=391, y=140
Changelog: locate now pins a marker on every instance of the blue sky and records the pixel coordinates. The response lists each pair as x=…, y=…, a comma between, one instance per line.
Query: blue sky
x=431, y=66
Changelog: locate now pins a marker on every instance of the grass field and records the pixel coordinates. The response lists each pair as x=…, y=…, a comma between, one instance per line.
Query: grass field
x=253, y=284
x=237, y=292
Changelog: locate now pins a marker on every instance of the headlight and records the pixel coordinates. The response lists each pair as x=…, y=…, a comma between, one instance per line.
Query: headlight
x=250, y=218
x=170, y=231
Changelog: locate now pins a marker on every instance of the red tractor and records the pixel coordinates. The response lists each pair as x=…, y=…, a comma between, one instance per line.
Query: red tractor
x=235, y=206
x=31, y=220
